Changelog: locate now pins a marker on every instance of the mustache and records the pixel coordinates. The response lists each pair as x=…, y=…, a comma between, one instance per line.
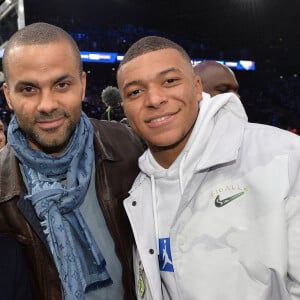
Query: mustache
x=54, y=115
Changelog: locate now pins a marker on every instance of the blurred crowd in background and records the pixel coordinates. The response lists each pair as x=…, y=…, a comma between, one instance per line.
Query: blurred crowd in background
x=269, y=96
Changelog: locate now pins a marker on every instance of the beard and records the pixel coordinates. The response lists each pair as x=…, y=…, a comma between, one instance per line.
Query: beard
x=52, y=140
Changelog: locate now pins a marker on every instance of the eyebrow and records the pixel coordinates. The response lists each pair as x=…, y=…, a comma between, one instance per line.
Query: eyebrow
x=172, y=69
x=36, y=84
x=161, y=73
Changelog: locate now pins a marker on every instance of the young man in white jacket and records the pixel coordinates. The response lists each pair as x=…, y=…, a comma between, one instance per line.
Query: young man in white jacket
x=215, y=210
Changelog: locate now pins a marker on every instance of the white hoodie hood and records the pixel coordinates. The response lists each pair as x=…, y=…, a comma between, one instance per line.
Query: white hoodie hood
x=210, y=108
x=168, y=184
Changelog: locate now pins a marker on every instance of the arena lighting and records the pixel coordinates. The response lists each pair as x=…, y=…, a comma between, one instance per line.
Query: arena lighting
x=112, y=57
x=98, y=57
x=245, y=65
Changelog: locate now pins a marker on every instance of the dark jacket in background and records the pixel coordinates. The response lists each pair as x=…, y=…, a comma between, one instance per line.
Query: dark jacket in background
x=116, y=161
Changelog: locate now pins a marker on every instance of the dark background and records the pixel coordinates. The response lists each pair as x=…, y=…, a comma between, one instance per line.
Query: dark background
x=266, y=31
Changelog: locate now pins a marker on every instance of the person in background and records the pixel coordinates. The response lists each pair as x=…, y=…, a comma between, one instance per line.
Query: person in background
x=2, y=135
x=63, y=176
x=215, y=210
x=113, y=101
x=216, y=78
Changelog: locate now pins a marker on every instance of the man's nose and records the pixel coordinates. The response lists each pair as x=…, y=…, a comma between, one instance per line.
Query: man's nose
x=48, y=102
x=156, y=97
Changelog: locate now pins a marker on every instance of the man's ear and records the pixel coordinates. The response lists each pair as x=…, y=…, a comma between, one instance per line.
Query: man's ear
x=83, y=80
x=6, y=94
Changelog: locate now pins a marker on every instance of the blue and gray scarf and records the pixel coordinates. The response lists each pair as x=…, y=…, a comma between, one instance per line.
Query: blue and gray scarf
x=57, y=186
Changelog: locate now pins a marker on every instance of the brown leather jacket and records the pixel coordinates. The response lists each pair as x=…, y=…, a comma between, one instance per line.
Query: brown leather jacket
x=116, y=152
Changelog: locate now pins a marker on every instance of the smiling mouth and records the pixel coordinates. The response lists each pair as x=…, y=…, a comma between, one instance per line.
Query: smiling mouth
x=159, y=119
x=164, y=120
x=50, y=124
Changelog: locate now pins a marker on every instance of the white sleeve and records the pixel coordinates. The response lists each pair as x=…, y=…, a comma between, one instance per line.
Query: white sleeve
x=293, y=227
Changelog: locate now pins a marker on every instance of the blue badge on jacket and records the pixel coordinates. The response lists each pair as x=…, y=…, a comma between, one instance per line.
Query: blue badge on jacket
x=165, y=257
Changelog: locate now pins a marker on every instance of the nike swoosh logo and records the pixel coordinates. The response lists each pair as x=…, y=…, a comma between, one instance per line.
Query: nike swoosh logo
x=220, y=203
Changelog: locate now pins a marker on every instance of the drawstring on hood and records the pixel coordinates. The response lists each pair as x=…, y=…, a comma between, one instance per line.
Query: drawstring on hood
x=164, y=174
x=154, y=203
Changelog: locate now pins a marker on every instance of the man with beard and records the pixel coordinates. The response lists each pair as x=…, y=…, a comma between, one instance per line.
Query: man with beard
x=63, y=176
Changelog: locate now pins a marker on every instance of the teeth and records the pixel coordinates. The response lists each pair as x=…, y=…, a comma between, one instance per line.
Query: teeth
x=159, y=119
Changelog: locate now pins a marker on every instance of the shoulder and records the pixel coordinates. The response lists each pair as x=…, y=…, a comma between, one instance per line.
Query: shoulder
x=106, y=125
x=7, y=157
x=264, y=143
x=112, y=129
x=116, y=137
x=272, y=135
x=10, y=176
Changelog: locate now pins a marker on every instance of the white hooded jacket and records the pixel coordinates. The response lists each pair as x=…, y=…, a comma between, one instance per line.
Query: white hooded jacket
x=235, y=225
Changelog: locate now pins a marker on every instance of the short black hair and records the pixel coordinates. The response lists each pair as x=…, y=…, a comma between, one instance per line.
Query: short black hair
x=149, y=44
x=38, y=34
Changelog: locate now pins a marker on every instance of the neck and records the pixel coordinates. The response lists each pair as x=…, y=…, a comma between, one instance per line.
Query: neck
x=165, y=156
x=165, y=159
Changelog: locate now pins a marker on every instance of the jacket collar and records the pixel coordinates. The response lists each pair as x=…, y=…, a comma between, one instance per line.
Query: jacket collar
x=224, y=143
x=11, y=178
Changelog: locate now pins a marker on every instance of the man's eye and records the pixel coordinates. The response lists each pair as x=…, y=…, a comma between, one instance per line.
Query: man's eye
x=170, y=80
x=62, y=85
x=133, y=93
x=27, y=89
